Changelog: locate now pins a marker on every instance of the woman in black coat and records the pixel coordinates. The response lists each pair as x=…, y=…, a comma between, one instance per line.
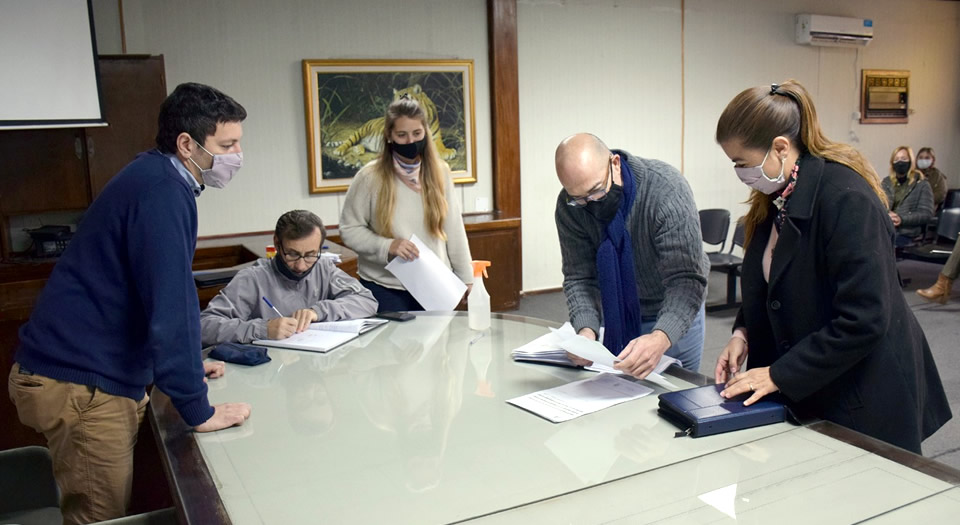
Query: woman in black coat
x=823, y=319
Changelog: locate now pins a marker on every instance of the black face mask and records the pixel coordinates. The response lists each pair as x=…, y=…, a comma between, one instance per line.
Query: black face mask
x=410, y=150
x=901, y=168
x=605, y=209
x=287, y=272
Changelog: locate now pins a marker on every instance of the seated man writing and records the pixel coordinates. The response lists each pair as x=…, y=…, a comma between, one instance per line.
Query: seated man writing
x=301, y=285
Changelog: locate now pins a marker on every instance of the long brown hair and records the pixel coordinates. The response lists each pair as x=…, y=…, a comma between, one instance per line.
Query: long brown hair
x=432, y=173
x=758, y=115
x=913, y=174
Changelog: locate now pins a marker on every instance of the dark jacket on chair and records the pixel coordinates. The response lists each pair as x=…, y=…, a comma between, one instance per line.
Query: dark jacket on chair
x=832, y=323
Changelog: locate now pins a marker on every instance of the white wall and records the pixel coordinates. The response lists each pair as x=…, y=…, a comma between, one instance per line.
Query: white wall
x=251, y=50
x=607, y=67
x=613, y=68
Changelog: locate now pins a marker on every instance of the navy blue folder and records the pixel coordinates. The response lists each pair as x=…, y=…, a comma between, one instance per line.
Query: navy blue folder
x=701, y=411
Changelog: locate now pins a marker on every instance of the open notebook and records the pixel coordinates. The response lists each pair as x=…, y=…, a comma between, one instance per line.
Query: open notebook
x=323, y=337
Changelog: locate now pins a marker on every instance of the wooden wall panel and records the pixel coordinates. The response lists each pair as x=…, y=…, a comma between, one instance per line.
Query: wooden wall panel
x=505, y=105
x=499, y=243
x=133, y=87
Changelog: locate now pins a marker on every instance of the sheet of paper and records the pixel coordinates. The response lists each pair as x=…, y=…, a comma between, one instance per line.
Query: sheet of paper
x=354, y=326
x=573, y=400
x=428, y=280
x=587, y=349
x=312, y=340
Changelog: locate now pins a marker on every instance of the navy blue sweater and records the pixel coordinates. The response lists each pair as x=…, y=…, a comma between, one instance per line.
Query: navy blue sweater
x=120, y=310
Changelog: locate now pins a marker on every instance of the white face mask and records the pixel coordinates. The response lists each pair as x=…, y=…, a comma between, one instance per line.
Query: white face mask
x=924, y=163
x=757, y=179
x=223, y=169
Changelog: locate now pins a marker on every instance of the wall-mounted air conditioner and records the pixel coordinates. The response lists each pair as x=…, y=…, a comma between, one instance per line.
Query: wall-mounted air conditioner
x=820, y=30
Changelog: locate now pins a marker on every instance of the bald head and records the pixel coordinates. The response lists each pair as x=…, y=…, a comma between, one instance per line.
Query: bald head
x=581, y=161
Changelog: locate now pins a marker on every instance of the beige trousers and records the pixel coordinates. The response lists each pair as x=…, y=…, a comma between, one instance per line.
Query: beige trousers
x=91, y=435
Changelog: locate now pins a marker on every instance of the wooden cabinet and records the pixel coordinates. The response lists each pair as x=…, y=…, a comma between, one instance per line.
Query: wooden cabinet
x=50, y=170
x=498, y=241
x=43, y=170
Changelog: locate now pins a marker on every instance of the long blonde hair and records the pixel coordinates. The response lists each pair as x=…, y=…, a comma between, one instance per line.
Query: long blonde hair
x=758, y=115
x=432, y=173
x=913, y=175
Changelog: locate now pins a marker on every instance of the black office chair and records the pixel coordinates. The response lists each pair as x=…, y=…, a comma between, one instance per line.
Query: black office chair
x=731, y=265
x=28, y=492
x=948, y=229
x=714, y=225
x=952, y=200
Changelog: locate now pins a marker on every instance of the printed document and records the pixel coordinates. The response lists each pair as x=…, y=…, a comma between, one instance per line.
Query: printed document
x=428, y=280
x=573, y=400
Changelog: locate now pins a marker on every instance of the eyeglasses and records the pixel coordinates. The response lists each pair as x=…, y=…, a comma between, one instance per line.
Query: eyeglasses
x=292, y=257
x=595, y=195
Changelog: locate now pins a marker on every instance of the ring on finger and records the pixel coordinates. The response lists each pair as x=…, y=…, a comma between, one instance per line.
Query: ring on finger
x=751, y=387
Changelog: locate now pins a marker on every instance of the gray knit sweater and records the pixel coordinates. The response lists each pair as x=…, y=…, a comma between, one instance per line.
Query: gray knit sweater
x=670, y=265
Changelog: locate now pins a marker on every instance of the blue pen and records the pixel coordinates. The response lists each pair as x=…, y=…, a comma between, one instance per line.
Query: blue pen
x=272, y=307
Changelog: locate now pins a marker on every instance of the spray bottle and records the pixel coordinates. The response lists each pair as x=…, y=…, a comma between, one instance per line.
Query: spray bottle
x=478, y=302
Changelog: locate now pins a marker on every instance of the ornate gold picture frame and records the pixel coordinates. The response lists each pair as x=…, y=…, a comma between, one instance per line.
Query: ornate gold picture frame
x=345, y=101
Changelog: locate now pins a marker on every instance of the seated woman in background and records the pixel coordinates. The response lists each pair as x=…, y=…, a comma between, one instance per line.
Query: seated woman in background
x=823, y=318
x=406, y=190
x=908, y=195
x=937, y=180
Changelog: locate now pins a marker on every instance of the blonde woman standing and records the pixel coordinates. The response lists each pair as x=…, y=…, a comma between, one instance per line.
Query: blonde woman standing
x=908, y=195
x=406, y=191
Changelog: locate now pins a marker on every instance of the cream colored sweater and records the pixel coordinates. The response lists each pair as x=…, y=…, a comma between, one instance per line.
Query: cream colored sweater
x=359, y=213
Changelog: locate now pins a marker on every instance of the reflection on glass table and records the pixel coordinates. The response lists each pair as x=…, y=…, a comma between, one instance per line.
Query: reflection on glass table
x=409, y=424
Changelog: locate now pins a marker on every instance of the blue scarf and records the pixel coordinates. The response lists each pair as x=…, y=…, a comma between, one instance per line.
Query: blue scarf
x=615, y=274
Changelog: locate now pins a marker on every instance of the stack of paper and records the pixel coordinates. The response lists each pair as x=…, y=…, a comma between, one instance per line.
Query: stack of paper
x=325, y=336
x=312, y=340
x=353, y=326
x=546, y=348
x=332, y=257
x=554, y=347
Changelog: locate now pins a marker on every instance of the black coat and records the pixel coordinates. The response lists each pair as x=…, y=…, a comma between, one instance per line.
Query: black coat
x=832, y=324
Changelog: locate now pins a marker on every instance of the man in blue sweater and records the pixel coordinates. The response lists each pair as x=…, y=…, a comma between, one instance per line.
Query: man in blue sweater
x=120, y=311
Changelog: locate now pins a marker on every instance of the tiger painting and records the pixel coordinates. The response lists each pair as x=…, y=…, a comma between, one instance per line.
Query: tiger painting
x=368, y=138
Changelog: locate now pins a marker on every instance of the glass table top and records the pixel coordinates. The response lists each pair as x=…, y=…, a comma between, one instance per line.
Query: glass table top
x=409, y=424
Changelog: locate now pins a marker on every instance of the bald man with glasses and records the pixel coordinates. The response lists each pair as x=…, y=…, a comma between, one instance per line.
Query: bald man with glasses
x=633, y=259
x=298, y=283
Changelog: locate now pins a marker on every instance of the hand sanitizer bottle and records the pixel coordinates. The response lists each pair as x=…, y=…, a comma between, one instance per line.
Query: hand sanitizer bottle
x=478, y=302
